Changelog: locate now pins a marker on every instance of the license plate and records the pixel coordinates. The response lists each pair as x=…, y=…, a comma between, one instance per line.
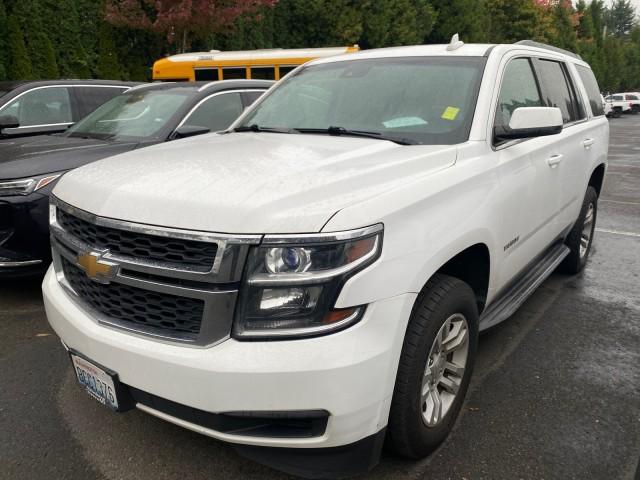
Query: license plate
x=98, y=383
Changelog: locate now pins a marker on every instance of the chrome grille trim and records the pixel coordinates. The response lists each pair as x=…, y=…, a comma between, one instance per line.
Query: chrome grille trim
x=217, y=287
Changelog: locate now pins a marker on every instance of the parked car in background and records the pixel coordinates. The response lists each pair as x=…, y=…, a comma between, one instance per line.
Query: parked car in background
x=47, y=106
x=142, y=116
x=607, y=107
x=622, y=103
x=312, y=282
x=634, y=101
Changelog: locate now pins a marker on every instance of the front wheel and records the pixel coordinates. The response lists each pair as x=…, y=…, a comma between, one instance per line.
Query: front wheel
x=435, y=367
x=580, y=237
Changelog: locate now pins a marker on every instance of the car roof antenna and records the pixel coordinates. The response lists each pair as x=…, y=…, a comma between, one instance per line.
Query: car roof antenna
x=455, y=43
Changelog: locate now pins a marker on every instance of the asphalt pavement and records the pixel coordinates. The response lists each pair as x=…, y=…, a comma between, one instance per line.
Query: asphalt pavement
x=555, y=394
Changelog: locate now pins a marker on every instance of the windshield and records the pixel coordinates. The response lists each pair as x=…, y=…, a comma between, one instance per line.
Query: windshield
x=131, y=116
x=419, y=100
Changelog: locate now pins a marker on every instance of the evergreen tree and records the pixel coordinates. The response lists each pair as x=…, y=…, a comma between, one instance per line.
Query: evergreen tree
x=621, y=18
x=65, y=33
x=564, y=35
x=514, y=20
x=3, y=42
x=466, y=17
x=39, y=47
x=396, y=22
x=108, y=66
x=19, y=66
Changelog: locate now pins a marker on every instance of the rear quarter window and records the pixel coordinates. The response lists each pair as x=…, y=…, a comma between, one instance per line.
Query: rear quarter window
x=593, y=91
x=90, y=98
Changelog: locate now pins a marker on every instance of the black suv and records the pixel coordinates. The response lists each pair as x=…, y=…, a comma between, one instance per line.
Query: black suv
x=48, y=106
x=142, y=116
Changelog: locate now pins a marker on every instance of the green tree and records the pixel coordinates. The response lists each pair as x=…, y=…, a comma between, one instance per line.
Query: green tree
x=396, y=22
x=514, y=20
x=3, y=41
x=19, y=66
x=621, y=18
x=39, y=47
x=564, y=35
x=108, y=66
x=467, y=17
x=65, y=33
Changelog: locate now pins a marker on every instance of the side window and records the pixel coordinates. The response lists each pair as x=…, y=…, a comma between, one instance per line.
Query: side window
x=593, y=91
x=217, y=112
x=42, y=106
x=284, y=69
x=519, y=89
x=556, y=90
x=263, y=73
x=206, y=74
x=251, y=96
x=90, y=98
x=234, y=73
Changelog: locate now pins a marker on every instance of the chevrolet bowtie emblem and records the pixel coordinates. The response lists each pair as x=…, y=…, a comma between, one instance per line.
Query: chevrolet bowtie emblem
x=96, y=267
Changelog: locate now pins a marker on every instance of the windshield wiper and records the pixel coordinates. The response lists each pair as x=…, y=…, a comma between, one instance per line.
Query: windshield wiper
x=254, y=127
x=338, y=131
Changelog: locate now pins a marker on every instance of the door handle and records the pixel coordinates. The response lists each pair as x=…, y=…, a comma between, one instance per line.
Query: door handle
x=554, y=160
x=588, y=142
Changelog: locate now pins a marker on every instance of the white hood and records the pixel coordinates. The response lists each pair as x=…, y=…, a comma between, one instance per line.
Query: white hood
x=247, y=182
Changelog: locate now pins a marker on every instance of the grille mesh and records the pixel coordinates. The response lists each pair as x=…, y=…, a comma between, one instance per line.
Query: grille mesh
x=192, y=254
x=137, y=307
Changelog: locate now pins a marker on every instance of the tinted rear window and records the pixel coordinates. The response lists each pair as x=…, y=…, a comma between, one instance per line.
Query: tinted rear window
x=91, y=98
x=593, y=91
x=556, y=91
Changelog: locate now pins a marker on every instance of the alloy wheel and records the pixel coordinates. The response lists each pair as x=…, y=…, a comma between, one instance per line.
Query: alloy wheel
x=587, y=230
x=445, y=368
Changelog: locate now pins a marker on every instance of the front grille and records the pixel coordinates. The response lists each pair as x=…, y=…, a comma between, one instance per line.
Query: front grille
x=174, y=252
x=136, y=307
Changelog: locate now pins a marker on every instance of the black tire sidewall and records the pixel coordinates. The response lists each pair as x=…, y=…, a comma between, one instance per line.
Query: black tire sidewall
x=418, y=439
x=573, y=263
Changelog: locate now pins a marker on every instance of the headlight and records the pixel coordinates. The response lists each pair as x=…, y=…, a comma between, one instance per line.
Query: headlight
x=25, y=186
x=292, y=283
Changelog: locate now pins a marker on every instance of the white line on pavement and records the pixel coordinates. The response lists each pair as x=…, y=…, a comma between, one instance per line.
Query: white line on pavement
x=616, y=232
x=618, y=201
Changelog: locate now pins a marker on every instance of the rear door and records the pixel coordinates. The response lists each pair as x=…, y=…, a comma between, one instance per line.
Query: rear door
x=568, y=152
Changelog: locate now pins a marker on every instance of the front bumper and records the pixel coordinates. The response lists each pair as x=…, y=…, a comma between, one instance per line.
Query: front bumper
x=349, y=374
x=24, y=234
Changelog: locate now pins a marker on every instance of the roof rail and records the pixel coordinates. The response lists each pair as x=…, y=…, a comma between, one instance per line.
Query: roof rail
x=531, y=43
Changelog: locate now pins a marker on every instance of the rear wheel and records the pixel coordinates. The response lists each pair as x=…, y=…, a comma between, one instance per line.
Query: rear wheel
x=436, y=363
x=580, y=238
x=635, y=109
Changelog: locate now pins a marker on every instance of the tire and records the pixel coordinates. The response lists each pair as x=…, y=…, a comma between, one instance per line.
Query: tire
x=616, y=112
x=442, y=299
x=635, y=109
x=586, y=223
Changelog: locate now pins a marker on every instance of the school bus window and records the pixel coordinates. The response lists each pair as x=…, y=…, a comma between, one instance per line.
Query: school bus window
x=234, y=73
x=284, y=69
x=208, y=74
x=263, y=73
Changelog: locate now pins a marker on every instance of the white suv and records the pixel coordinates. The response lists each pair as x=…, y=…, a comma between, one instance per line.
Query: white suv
x=315, y=278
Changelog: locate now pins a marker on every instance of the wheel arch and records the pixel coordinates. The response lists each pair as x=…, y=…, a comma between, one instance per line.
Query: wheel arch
x=597, y=178
x=471, y=265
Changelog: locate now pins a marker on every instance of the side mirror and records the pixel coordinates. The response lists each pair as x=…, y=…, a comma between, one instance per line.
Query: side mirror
x=188, y=131
x=9, y=121
x=528, y=122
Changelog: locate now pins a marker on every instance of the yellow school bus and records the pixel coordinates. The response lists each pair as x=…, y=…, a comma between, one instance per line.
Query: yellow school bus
x=258, y=64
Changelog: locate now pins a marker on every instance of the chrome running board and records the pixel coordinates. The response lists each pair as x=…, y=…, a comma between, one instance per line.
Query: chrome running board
x=507, y=304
